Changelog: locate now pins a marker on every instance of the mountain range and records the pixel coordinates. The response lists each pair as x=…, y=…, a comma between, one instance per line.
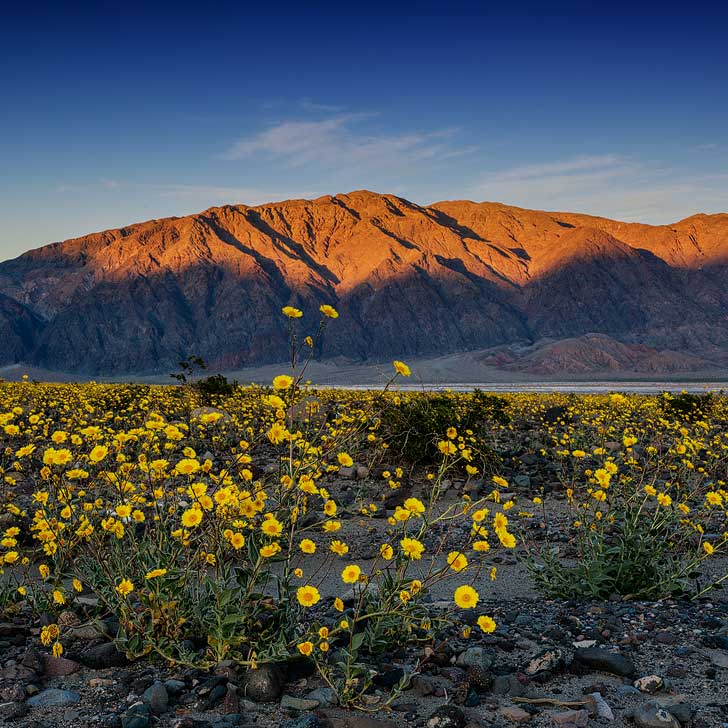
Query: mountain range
x=525, y=290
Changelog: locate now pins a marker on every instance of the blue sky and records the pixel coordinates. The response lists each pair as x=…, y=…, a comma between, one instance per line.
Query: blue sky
x=112, y=115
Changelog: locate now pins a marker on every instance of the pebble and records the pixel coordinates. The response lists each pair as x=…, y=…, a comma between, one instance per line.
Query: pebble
x=299, y=704
x=597, y=658
x=515, y=714
x=136, y=716
x=578, y=718
x=601, y=707
x=652, y=716
x=263, y=685
x=649, y=684
x=54, y=697
x=157, y=698
x=447, y=716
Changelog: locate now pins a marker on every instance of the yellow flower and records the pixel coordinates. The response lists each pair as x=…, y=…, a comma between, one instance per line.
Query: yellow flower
x=466, y=597
x=412, y=547
x=98, y=453
x=446, y=447
x=270, y=550
x=292, y=312
x=191, y=517
x=401, y=368
x=125, y=587
x=500, y=482
x=305, y=648
x=187, y=466
x=386, y=551
x=345, y=459
x=307, y=595
x=307, y=546
x=350, y=575
x=329, y=311
x=58, y=597
x=271, y=526
x=487, y=624
x=664, y=499
x=57, y=649
x=282, y=381
x=414, y=506
x=708, y=548
x=457, y=561
x=154, y=573
x=338, y=605
x=339, y=548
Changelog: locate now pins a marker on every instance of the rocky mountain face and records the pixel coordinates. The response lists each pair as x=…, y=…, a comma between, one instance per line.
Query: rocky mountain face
x=408, y=281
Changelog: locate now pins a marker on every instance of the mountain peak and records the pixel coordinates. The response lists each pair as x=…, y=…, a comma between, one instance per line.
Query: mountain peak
x=410, y=280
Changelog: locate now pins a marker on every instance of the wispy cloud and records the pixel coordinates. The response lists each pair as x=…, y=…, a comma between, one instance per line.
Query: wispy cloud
x=339, y=141
x=612, y=185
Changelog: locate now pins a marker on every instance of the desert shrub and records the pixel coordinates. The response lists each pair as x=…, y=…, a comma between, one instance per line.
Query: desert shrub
x=412, y=425
x=687, y=406
x=213, y=386
x=641, y=520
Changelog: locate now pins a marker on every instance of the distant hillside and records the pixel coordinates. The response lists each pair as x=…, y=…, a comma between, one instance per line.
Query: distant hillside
x=409, y=281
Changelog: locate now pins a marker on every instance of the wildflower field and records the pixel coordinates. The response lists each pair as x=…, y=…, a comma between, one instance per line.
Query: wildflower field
x=273, y=528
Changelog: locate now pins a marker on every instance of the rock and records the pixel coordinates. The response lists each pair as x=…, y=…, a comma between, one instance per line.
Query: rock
x=12, y=710
x=652, y=716
x=54, y=697
x=597, y=658
x=601, y=707
x=515, y=714
x=475, y=657
x=549, y=660
x=59, y=666
x=362, y=472
x=136, y=716
x=649, y=684
x=684, y=712
x=447, y=716
x=100, y=657
x=578, y=718
x=299, y=704
x=174, y=687
x=157, y=698
x=719, y=658
x=423, y=685
x=263, y=685
x=325, y=697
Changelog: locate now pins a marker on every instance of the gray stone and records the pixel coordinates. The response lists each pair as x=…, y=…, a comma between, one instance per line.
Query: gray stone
x=300, y=704
x=54, y=697
x=475, y=657
x=136, y=716
x=515, y=714
x=578, y=718
x=325, y=697
x=12, y=710
x=263, y=685
x=601, y=707
x=597, y=658
x=174, y=687
x=157, y=698
x=652, y=716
